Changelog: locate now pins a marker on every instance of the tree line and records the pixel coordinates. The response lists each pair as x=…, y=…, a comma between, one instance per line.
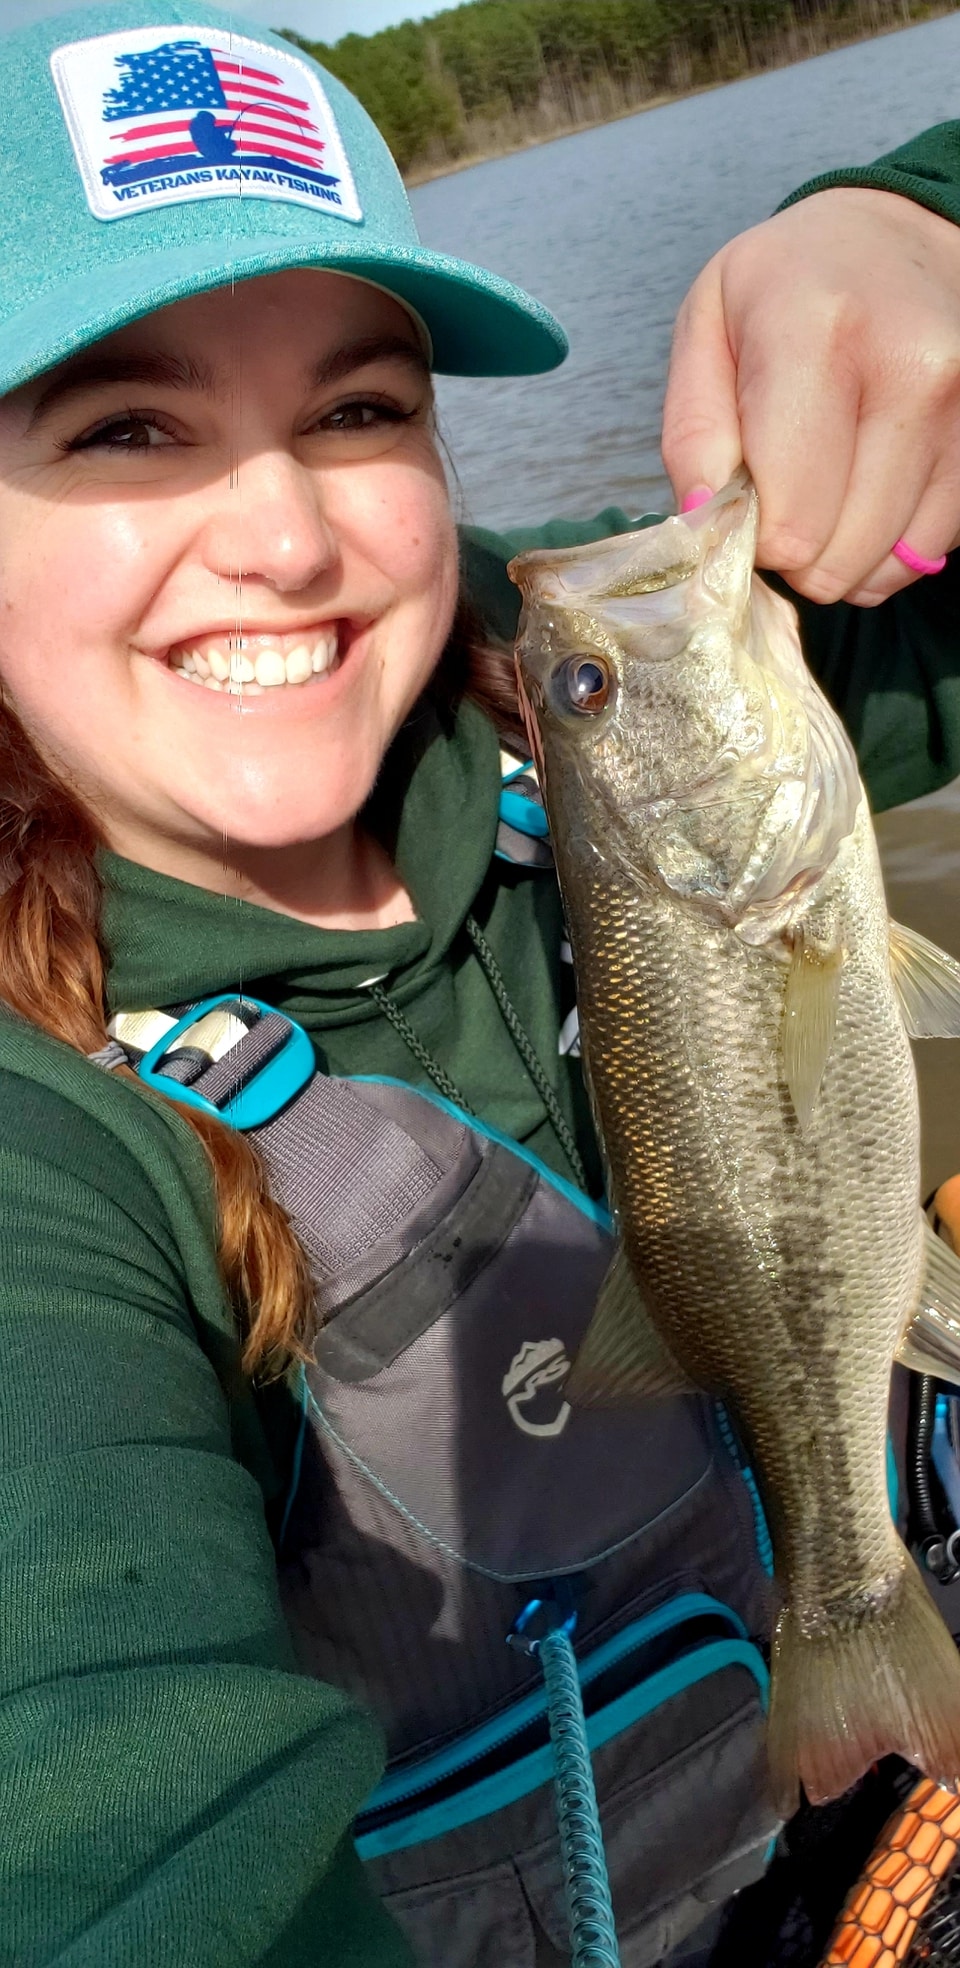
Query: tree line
x=492, y=74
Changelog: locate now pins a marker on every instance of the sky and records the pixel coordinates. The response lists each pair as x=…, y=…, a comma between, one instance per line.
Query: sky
x=317, y=20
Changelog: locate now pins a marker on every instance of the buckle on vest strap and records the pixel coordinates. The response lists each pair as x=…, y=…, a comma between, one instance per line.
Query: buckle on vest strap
x=254, y=1095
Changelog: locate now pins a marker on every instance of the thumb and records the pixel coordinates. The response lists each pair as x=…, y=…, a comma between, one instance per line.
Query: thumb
x=701, y=424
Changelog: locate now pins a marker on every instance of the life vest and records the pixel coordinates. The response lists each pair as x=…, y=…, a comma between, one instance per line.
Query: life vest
x=441, y=1483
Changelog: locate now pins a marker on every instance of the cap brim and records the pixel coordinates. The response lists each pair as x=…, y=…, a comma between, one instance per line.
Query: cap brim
x=479, y=324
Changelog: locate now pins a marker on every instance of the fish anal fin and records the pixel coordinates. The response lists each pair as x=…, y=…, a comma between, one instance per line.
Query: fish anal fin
x=883, y=1678
x=622, y=1358
x=927, y=983
x=809, y=1019
x=931, y=1341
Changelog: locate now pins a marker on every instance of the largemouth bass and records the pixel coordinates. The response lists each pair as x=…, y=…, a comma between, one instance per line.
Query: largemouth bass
x=742, y=996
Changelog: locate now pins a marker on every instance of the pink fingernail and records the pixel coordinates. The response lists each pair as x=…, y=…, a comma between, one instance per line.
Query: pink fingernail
x=698, y=497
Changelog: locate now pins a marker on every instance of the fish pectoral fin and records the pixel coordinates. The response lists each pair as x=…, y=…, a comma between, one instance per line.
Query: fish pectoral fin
x=927, y=983
x=622, y=1358
x=809, y=1019
x=931, y=1341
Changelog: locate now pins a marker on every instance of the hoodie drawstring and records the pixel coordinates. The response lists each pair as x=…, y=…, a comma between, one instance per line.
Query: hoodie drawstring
x=521, y=1039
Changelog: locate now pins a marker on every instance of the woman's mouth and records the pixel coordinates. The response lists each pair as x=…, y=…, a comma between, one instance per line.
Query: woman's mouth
x=247, y=664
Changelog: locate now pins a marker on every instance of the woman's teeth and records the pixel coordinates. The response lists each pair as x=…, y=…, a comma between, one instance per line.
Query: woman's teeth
x=251, y=663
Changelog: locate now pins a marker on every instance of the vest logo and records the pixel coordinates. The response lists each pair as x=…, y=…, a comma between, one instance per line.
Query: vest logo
x=165, y=118
x=539, y=1366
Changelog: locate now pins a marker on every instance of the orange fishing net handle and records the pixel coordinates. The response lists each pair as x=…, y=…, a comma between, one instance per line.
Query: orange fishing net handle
x=916, y=1847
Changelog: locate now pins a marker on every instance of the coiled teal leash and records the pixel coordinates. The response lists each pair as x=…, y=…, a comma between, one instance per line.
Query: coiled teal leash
x=593, y=1934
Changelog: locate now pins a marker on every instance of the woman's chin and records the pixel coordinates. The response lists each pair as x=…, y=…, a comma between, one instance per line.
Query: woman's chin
x=274, y=833
x=277, y=808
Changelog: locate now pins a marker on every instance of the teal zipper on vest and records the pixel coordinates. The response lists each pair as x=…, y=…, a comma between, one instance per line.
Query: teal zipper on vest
x=398, y=1784
x=530, y=1771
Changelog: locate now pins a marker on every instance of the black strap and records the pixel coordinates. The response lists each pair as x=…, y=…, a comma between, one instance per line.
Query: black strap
x=531, y=1059
x=525, y=1048
x=411, y=1039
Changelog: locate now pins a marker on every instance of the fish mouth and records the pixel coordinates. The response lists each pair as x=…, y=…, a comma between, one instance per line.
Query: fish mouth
x=646, y=560
x=725, y=783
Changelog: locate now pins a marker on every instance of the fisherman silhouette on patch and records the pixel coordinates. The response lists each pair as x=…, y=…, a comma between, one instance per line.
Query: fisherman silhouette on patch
x=214, y=140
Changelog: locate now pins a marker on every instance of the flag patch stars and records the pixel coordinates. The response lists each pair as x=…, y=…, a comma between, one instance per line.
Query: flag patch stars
x=162, y=117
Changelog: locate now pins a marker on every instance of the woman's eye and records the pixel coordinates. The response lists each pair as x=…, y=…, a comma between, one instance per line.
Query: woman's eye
x=122, y=434
x=363, y=415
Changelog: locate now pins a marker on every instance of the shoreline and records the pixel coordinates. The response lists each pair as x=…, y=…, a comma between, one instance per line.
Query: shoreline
x=429, y=173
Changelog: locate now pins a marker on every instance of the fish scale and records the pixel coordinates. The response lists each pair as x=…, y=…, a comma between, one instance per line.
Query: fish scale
x=684, y=1112
x=753, y=1085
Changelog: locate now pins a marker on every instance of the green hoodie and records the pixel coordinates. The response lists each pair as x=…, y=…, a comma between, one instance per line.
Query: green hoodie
x=173, y=1793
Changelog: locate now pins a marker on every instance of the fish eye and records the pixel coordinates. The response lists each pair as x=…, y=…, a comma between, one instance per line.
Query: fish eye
x=583, y=684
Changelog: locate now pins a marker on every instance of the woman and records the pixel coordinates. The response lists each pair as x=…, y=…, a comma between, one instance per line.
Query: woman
x=218, y=468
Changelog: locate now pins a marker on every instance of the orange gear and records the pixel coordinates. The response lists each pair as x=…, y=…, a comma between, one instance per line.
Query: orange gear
x=914, y=1850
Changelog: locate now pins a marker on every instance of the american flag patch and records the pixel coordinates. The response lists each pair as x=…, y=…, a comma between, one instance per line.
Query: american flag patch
x=163, y=116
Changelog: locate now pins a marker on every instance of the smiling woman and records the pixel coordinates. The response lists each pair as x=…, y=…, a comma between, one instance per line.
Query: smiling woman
x=203, y=500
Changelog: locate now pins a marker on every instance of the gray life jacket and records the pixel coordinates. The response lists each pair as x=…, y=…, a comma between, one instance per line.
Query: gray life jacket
x=441, y=1483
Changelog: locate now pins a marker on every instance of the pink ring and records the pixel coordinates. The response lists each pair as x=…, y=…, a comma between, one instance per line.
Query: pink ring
x=916, y=562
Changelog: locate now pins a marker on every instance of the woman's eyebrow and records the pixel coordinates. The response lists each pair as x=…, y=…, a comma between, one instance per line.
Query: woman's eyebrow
x=87, y=371
x=359, y=354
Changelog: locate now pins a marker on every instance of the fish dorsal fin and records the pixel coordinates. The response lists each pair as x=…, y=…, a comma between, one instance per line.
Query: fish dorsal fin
x=809, y=1019
x=622, y=1358
x=931, y=1341
x=927, y=984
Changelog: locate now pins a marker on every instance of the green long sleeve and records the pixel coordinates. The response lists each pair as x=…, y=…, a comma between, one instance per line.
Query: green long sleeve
x=172, y=1791
x=893, y=673
x=926, y=169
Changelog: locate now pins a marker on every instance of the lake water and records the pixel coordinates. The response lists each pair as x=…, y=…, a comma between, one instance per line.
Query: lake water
x=609, y=228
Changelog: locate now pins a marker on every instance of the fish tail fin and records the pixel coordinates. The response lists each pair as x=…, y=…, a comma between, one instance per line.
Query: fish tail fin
x=845, y=1694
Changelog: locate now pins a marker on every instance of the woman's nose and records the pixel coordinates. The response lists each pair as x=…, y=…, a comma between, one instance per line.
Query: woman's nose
x=270, y=526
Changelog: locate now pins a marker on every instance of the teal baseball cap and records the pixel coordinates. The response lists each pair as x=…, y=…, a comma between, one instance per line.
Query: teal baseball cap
x=150, y=150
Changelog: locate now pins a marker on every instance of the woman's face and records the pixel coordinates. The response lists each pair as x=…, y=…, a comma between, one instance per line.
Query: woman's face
x=241, y=488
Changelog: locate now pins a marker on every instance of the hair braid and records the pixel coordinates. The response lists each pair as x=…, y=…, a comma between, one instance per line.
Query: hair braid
x=52, y=973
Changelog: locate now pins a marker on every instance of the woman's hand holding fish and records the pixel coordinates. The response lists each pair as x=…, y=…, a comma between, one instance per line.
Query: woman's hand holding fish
x=823, y=347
